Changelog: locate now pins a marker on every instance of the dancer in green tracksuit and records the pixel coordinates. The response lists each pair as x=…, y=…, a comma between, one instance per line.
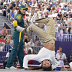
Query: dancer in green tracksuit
x=18, y=40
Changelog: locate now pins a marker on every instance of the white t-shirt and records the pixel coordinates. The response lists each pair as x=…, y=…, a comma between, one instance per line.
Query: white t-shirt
x=54, y=15
x=62, y=4
x=62, y=56
x=31, y=44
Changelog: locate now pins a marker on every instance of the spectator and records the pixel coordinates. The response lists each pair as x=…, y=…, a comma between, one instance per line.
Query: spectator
x=7, y=56
x=7, y=37
x=8, y=10
x=31, y=43
x=60, y=35
x=2, y=40
x=12, y=15
x=7, y=46
x=30, y=2
x=27, y=48
x=61, y=56
x=11, y=41
x=4, y=31
x=26, y=39
x=67, y=59
x=8, y=53
x=66, y=67
x=58, y=51
x=36, y=49
x=59, y=16
x=2, y=3
x=4, y=9
x=65, y=15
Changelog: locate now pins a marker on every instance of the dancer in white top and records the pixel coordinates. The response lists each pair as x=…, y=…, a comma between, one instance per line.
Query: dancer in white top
x=46, y=55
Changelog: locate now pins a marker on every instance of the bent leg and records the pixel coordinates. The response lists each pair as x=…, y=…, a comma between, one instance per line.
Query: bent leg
x=50, y=25
x=43, y=36
x=38, y=31
x=50, y=28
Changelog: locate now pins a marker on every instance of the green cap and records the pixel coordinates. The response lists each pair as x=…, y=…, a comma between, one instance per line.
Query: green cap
x=23, y=7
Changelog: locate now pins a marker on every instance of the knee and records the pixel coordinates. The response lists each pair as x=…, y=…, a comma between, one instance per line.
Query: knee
x=30, y=27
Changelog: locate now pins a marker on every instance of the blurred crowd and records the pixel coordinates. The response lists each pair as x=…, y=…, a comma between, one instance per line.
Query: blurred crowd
x=60, y=10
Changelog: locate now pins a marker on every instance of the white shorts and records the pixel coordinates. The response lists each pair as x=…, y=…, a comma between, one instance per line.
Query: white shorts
x=42, y=55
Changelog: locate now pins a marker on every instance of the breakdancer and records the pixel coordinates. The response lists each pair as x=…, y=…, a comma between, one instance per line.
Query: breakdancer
x=46, y=55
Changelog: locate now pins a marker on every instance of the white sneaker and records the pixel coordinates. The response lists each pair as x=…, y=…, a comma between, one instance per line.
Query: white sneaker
x=12, y=67
x=7, y=68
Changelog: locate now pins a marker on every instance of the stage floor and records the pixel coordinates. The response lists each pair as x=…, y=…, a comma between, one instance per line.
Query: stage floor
x=8, y=70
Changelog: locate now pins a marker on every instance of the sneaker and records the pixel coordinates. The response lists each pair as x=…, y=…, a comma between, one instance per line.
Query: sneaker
x=7, y=68
x=12, y=67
